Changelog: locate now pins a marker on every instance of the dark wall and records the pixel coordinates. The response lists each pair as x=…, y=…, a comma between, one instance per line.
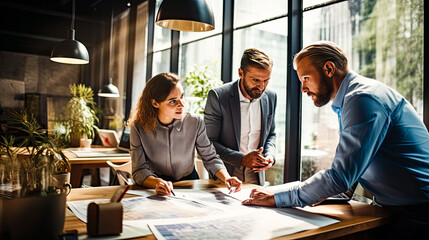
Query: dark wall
x=29, y=31
x=35, y=83
x=26, y=27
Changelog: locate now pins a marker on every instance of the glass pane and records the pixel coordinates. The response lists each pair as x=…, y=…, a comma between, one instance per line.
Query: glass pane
x=161, y=62
x=217, y=7
x=310, y=3
x=376, y=54
x=201, y=56
x=139, y=75
x=251, y=11
x=162, y=36
x=206, y=52
x=270, y=37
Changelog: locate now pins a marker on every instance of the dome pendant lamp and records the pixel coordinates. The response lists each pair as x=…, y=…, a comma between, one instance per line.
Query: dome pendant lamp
x=70, y=51
x=109, y=90
x=186, y=15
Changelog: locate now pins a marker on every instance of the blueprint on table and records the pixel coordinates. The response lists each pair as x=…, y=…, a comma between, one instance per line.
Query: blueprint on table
x=192, y=213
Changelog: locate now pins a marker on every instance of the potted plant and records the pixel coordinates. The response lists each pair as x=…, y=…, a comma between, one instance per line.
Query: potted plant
x=80, y=117
x=198, y=84
x=62, y=167
x=32, y=205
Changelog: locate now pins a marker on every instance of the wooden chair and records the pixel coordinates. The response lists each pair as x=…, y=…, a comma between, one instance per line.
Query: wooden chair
x=123, y=173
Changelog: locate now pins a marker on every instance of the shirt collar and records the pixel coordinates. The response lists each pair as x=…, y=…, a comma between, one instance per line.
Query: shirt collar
x=337, y=104
x=177, y=123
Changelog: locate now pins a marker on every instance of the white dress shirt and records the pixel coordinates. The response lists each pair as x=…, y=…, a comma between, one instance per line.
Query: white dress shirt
x=250, y=115
x=250, y=123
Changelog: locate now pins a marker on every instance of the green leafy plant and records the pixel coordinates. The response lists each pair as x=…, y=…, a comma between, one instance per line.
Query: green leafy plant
x=31, y=158
x=29, y=161
x=80, y=115
x=199, y=82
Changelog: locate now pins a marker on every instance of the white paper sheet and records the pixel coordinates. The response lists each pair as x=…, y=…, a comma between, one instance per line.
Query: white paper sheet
x=214, y=212
x=263, y=223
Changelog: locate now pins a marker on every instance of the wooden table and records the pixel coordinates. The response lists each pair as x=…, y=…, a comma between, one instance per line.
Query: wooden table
x=355, y=217
x=80, y=163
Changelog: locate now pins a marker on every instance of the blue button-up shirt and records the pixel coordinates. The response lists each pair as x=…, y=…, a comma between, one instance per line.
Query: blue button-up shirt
x=383, y=145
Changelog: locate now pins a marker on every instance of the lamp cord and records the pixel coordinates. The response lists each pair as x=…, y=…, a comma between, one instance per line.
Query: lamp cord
x=73, y=13
x=111, y=32
x=111, y=41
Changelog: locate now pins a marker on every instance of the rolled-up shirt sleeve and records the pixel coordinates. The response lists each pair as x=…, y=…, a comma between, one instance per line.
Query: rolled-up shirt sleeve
x=365, y=123
x=141, y=169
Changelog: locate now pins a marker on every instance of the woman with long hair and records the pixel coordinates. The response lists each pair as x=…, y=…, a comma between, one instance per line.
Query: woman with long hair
x=164, y=138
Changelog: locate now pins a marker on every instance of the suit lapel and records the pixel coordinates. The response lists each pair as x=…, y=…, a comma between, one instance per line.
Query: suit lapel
x=235, y=112
x=264, y=114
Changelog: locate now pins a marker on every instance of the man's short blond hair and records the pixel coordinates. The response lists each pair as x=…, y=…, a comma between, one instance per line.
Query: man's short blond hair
x=255, y=58
x=321, y=52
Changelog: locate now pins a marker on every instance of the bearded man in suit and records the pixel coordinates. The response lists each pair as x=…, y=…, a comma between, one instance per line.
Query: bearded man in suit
x=239, y=118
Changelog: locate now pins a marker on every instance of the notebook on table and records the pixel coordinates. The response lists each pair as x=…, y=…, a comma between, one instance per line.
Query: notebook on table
x=110, y=140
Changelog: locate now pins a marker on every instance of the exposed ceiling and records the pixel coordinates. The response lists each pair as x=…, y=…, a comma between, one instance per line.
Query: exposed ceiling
x=34, y=27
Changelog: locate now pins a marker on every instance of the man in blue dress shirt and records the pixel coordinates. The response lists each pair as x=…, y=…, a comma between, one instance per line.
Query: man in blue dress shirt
x=383, y=144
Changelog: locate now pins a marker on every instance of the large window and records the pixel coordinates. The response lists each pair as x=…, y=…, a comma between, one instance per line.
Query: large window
x=161, y=48
x=393, y=56
x=256, y=26
x=383, y=40
x=140, y=52
x=249, y=11
x=202, y=50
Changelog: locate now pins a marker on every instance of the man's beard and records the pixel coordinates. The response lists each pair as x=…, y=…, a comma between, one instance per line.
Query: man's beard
x=250, y=92
x=325, y=93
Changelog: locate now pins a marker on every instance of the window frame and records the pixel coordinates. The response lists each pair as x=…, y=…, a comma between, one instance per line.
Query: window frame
x=293, y=106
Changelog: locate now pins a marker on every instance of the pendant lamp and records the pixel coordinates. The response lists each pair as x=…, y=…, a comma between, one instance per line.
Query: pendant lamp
x=186, y=15
x=70, y=51
x=109, y=90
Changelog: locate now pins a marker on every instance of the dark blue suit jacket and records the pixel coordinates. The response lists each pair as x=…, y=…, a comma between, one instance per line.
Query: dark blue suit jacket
x=222, y=117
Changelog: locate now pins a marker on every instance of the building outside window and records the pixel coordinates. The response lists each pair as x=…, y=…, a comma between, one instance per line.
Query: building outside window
x=263, y=25
x=393, y=56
